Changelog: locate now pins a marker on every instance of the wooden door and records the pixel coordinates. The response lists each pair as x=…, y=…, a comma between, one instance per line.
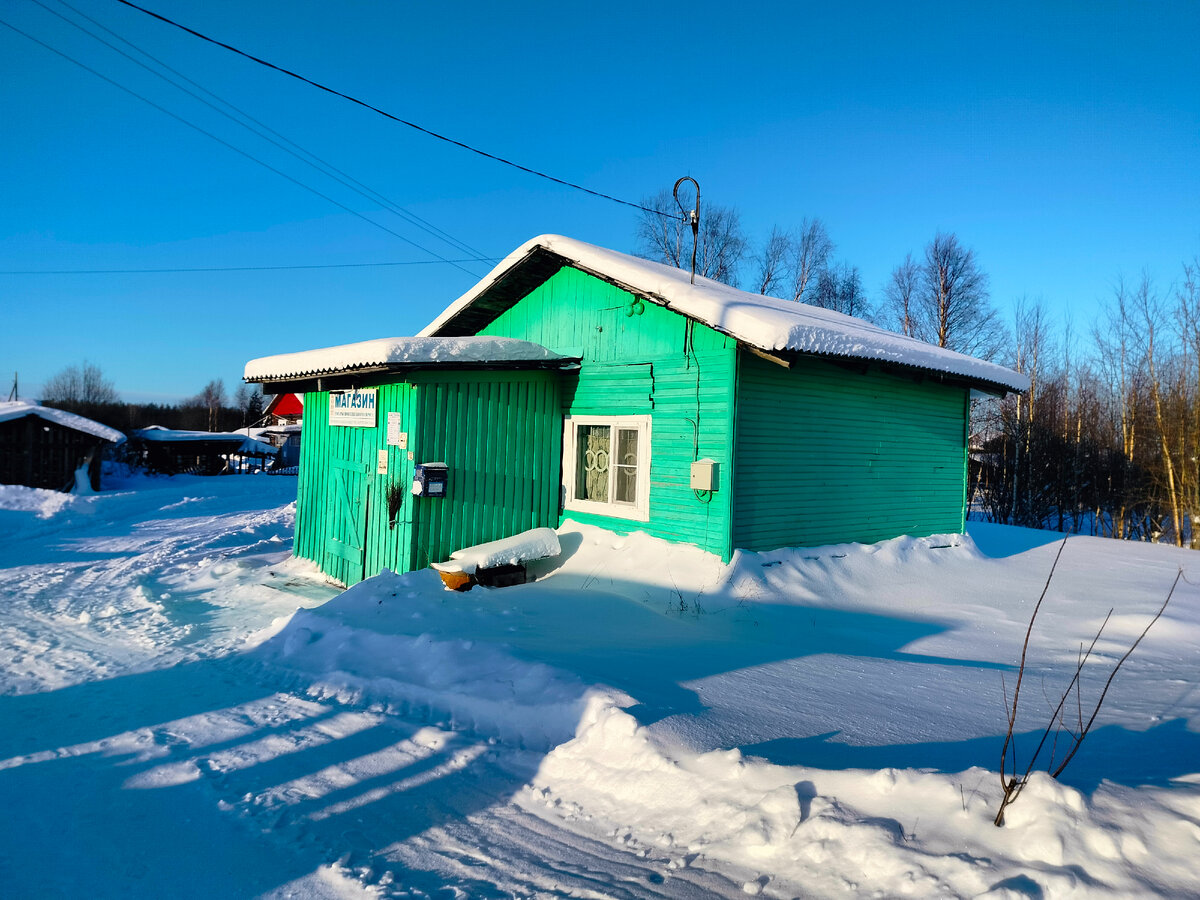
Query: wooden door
x=348, y=497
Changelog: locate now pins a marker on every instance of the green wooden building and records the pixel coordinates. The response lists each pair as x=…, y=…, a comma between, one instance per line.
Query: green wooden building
x=575, y=382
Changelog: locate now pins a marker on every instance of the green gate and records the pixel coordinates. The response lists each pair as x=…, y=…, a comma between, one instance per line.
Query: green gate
x=348, y=528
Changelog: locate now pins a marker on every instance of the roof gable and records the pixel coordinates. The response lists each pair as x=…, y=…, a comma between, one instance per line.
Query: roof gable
x=286, y=404
x=767, y=324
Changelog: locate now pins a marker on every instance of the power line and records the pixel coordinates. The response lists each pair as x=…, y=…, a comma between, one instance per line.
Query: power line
x=237, y=150
x=410, y=262
x=314, y=161
x=388, y=115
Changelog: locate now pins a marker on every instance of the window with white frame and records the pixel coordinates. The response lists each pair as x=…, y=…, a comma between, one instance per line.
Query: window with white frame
x=606, y=465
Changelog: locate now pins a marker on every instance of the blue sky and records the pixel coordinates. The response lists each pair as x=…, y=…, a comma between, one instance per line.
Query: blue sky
x=1060, y=141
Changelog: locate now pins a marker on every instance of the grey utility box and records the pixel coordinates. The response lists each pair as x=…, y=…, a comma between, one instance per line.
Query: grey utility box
x=705, y=474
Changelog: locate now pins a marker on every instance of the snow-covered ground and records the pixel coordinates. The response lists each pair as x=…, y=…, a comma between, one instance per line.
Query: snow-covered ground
x=186, y=711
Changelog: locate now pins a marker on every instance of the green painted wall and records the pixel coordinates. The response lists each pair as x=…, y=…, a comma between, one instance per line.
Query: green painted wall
x=495, y=430
x=637, y=364
x=820, y=453
x=827, y=454
x=501, y=434
x=317, y=506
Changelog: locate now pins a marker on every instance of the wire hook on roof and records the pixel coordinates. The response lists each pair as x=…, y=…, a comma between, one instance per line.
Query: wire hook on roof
x=690, y=214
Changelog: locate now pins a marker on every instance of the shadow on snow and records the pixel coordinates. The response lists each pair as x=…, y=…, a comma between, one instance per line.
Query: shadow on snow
x=97, y=769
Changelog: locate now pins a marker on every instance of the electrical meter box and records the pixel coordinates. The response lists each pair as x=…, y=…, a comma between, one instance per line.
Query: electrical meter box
x=429, y=479
x=705, y=474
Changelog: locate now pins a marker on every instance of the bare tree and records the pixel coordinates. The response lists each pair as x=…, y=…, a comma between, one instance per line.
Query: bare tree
x=1187, y=313
x=78, y=386
x=901, y=295
x=1148, y=307
x=665, y=237
x=772, y=262
x=810, y=254
x=1031, y=337
x=249, y=401
x=212, y=399
x=953, y=310
x=839, y=287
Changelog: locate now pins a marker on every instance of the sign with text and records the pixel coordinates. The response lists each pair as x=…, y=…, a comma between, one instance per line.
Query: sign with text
x=354, y=408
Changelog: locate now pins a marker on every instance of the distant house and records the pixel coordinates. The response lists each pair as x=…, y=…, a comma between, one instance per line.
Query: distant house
x=285, y=409
x=170, y=451
x=285, y=412
x=575, y=382
x=286, y=439
x=45, y=447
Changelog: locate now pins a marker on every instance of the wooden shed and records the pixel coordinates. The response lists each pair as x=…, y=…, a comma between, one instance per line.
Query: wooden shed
x=693, y=412
x=170, y=451
x=44, y=447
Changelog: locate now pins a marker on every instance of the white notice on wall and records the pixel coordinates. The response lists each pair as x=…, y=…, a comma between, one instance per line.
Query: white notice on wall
x=382, y=463
x=353, y=408
x=396, y=437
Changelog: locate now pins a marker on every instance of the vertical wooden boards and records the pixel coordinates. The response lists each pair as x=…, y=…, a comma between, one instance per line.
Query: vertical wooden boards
x=389, y=540
x=828, y=455
x=347, y=506
x=633, y=361
x=494, y=430
x=329, y=453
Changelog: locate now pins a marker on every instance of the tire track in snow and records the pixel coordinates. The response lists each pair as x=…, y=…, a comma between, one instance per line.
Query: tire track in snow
x=114, y=583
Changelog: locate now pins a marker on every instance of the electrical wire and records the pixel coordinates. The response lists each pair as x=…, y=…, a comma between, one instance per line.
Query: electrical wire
x=237, y=150
x=388, y=115
x=300, y=153
x=410, y=262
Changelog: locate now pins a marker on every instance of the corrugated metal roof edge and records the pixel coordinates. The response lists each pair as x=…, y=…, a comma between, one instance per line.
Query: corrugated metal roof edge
x=560, y=362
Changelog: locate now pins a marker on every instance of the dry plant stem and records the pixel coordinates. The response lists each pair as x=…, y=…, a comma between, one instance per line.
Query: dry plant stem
x=1058, y=711
x=1012, y=786
x=1009, y=786
x=1113, y=674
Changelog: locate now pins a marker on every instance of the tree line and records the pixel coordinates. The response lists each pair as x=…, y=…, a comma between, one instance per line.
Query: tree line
x=940, y=296
x=1107, y=439
x=83, y=389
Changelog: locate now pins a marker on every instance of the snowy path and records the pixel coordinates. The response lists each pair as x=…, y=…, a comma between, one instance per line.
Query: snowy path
x=110, y=583
x=142, y=753
x=642, y=722
x=264, y=792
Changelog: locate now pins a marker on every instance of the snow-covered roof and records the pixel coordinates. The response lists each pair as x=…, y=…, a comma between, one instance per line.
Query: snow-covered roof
x=235, y=442
x=766, y=323
x=159, y=434
x=397, y=351
x=16, y=409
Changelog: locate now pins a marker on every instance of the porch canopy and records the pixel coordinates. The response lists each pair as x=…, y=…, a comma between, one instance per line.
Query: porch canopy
x=337, y=367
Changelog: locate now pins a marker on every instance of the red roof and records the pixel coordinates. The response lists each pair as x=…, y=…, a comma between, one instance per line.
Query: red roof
x=285, y=405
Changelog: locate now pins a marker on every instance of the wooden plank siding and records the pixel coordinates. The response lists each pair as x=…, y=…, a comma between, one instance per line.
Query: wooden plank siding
x=500, y=434
x=815, y=454
x=44, y=454
x=636, y=365
x=495, y=431
x=315, y=511
x=824, y=455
